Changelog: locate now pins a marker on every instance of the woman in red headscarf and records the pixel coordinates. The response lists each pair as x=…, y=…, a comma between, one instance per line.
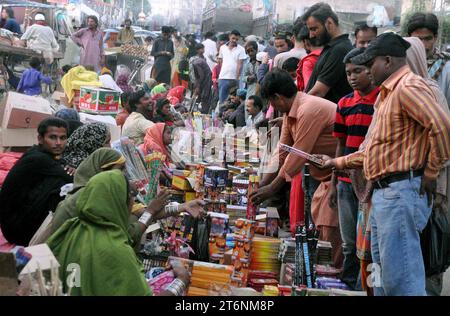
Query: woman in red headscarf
x=157, y=138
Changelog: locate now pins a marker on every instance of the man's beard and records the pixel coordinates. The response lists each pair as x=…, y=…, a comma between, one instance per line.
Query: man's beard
x=322, y=40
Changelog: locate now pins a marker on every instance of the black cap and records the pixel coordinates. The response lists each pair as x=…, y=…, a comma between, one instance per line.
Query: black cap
x=386, y=44
x=199, y=46
x=352, y=54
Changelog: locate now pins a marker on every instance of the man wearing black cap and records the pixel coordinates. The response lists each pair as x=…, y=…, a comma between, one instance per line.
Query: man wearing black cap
x=328, y=79
x=409, y=144
x=163, y=52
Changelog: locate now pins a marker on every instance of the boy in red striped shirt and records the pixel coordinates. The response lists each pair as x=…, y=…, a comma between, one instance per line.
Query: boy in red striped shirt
x=353, y=117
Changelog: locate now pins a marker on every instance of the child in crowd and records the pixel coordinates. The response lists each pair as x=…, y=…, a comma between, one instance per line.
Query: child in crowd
x=290, y=65
x=353, y=117
x=32, y=78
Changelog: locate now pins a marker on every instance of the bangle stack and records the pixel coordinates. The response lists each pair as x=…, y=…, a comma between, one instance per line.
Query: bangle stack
x=177, y=287
x=146, y=219
x=171, y=210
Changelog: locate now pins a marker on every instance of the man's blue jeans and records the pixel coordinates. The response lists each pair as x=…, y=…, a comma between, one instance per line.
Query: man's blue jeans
x=224, y=88
x=348, y=206
x=398, y=215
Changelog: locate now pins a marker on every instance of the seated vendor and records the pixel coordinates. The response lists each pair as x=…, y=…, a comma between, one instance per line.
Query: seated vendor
x=32, y=187
x=98, y=241
x=237, y=117
x=136, y=125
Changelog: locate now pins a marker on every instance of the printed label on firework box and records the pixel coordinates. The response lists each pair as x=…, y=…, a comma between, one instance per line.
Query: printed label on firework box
x=216, y=177
x=99, y=100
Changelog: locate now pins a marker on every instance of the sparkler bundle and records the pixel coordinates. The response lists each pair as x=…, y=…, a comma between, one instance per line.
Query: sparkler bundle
x=264, y=256
x=143, y=171
x=154, y=163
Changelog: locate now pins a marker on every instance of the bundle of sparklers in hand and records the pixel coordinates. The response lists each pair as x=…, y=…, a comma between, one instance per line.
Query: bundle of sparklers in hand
x=142, y=171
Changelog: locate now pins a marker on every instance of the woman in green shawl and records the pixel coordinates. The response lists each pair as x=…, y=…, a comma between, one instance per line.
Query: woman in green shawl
x=98, y=242
x=102, y=159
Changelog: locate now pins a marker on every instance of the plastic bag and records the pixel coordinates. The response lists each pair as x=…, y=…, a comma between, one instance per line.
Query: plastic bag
x=435, y=243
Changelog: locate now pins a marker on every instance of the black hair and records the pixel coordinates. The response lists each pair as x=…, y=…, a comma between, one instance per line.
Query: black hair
x=209, y=34
x=125, y=97
x=134, y=99
x=51, y=122
x=35, y=63
x=257, y=101
x=66, y=68
x=304, y=33
x=365, y=27
x=160, y=103
x=10, y=12
x=423, y=20
x=278, y=82
x=353, y=53
x=94, y=18
x=199, y=46
x=233, y=91
x=290, y=64
x=321, y=11
x=149, y=39
x=252, y=44
x=166, y=29
x=297, y=30
x=235, y=32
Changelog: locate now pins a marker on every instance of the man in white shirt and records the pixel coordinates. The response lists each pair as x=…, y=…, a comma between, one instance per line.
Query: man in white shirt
x=40, y=37
x=138, y=122
x=232, y=57
x=210, y=50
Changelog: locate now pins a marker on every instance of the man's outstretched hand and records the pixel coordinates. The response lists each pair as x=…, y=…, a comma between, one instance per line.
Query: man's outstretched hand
x=195, y=208
x=261, y=194
x=328, y=162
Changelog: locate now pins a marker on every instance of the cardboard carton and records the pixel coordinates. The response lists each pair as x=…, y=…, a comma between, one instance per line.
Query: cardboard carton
x=18, y=137
x=99, y=100
x=24, y=111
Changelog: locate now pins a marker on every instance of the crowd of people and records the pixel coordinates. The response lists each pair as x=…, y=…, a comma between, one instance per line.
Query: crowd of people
x=375, y=111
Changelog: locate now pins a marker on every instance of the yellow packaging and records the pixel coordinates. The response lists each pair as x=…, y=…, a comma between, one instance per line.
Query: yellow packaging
x=180, y=183
x=189, y=196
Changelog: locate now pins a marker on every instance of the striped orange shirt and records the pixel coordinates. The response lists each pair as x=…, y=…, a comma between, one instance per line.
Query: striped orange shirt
x=411, y=132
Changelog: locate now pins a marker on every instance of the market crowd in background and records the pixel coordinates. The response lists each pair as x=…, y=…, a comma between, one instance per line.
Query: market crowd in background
x=376, y=112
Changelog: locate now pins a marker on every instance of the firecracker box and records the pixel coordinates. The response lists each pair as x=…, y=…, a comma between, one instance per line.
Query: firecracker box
x=189, y=196
x=272, y=222
x=24, y=111
x=99, y=100
x=216, y=177
x=181, y=183
x=176, y=196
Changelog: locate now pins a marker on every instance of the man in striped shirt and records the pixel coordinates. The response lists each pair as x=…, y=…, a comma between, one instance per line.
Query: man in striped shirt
x=409, y=145
x=353, y=117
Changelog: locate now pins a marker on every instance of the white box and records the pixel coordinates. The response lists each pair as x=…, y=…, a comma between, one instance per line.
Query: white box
x=107, y=119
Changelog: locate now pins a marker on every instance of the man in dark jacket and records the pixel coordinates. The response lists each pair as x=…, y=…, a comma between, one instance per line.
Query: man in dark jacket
x=32, y=187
